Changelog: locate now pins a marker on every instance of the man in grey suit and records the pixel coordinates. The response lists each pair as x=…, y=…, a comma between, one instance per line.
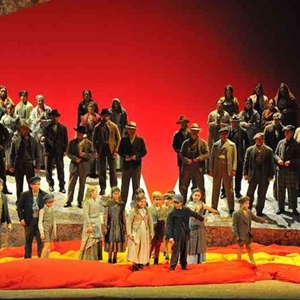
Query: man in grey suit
x=80, y=151
x=222, y=166
x=258, y=169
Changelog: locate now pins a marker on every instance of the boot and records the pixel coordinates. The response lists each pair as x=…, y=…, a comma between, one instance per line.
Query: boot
x=156, y=261
x=114, y=261
x=109, y=261
x=135, y=268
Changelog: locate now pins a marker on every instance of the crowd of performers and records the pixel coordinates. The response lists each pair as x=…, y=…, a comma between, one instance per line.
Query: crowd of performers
x=256, y=143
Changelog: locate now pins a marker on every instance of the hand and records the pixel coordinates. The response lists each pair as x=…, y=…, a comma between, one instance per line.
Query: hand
x=133, y=157
x=42, y=236
x=189, y=161
x=287, y=163
x=211, y=174
x=55, y=236
x=1, y=147
x=195, y=160
x=37, y=171
x=96, y=155
x=115, y=154
x=11, y=170
x=65, y=153
x=237, y=238
x=151, y=236
x=81, y=154
x=22, y=222
x=246, y=177
x=270, y=179
x=171, y=240
x=78, y=159
x=89, y=229
x=130, y=237
x=127, y=158
x=280, y=162
x=43, y=139
x=9, y=227
x=233, y=173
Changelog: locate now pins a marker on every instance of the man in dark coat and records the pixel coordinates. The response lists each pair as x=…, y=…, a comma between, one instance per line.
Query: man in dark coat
x=25, y=157
x=4, y=143
x=178, y=231
x=239, y=136
x=29, y=205
x=132, y=150
x=287, y=157
x=258, y=169
x=55, y=138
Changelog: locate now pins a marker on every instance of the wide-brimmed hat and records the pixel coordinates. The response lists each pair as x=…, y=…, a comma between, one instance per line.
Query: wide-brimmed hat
x=182, y=119
x=235, y=118
x=288, y=127
x=80, y=129
x=195, y=127
x=130, y=125
x=54, y=113
x=24, y=124
x=105, y=111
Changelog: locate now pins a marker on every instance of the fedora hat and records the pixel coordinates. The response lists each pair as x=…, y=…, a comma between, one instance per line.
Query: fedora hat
x=54, y=113
x=182, y=118
x=236, y=118
x=224, y=129
x=195, y=126
x=105, y=111
x=24, y=124
x=80, y=129
x=130, y=125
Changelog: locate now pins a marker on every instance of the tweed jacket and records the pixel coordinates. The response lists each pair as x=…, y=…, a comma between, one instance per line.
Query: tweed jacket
x=241, y=224
x=288, y=151
x=267, y=168
x=231, y=157
x=73, y=153
x=203, y=152
x=114, y=137
x=25, y=205
x=35, y=152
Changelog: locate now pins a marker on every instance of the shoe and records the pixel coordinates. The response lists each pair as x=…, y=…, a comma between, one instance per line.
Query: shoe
x=260, y=214
x=238, y=195
x=279, y=211
x=102, y=192
x=155, y=261
x=110, y=261
x=231, y=211
x=167, y=258
x=62, y=191
x=135, y=268
x=184, y=268
x=7, y=192
x=172, y=269
x=295, y=212
x=223, y=196
x=114, y=261
x=79, y=205
x=68, y=205
x=51, y=189
x=140, y=266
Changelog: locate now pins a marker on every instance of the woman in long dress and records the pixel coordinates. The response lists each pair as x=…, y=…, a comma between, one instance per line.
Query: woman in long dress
x=197, y=241
x=91, y=241
x=140, y=232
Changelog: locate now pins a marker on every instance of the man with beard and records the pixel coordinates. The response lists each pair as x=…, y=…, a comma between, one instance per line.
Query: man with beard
x=193, y=154
x=55, y=138
x=106, y=141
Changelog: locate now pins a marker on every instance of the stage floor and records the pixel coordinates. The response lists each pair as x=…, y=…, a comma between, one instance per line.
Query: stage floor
x=73, y=215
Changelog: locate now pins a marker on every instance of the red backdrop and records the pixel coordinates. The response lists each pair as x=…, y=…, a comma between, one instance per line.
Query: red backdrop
x=161, y=58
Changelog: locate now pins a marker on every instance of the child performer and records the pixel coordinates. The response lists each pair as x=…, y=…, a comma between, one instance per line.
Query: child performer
x=4, y=213
x=47, y=224
x=158, y=214
x=114, y=226
x=178, y=231
x=197, y=241
x=91, y=241
x=168, y=205
x=139, y=226
x=241, y=227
